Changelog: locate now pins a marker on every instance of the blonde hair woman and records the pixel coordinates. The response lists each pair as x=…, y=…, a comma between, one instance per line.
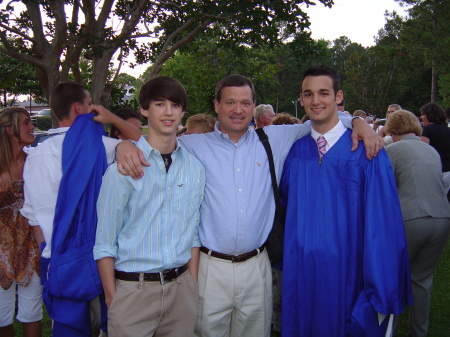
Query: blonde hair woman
x=19, y=254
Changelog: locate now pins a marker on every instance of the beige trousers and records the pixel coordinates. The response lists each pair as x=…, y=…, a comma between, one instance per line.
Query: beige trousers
x=235, y=299
x=145, y=309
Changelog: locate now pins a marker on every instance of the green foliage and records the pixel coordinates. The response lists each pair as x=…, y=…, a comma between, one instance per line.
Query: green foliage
x=17, y=78
x=275, y=70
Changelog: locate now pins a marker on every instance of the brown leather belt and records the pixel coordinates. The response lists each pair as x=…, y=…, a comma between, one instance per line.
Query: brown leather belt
x=162, y=277
x=233, y=258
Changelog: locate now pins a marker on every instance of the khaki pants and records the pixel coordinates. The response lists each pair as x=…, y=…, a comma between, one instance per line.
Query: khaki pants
x=235, y=299
x=141, y=309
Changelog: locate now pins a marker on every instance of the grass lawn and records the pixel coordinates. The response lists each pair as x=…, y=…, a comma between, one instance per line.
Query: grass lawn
x=440, y=305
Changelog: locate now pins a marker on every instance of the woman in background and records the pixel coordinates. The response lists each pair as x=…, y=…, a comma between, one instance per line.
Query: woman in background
x=425, y=210
x=437, y=134
x=19, y=254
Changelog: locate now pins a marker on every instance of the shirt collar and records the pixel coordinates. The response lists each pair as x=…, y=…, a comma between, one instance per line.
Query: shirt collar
x=331, y=136
x=147, y=149
x=410, y=137
x=58, y=130
x=219, y=134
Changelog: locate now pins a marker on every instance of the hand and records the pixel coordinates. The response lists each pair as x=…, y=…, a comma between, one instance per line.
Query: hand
x=102, y=115
x=372, y=141
x=109, y=298
x=130, y=160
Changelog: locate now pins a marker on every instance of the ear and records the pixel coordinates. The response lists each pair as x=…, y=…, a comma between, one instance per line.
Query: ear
x=339, y=96
x=143, y=112
x=77, y=107
x=182, y=114
x=216, y=105
x=301, y=99
x=9, y=131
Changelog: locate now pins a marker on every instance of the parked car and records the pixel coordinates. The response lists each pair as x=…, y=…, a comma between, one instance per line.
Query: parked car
x=43, y=112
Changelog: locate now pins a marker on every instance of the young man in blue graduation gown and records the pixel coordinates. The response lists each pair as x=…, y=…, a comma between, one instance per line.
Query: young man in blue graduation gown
x=345, y=259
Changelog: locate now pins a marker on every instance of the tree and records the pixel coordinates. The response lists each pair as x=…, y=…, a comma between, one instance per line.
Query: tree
x=428, y=31
x=17, y=78
x=274, y=70
x=54, y=43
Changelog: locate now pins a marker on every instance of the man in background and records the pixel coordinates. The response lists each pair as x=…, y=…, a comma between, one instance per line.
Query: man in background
x=263, y=115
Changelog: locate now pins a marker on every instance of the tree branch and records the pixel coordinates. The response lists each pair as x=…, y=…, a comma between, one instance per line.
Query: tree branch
x=166, y=54
x=18, y=32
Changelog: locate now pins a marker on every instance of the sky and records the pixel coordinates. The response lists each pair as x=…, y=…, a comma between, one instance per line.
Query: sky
x=359, y=20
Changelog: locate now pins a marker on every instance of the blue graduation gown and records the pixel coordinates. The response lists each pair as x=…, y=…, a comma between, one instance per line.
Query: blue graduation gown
x=345, y=258
x=73, y=275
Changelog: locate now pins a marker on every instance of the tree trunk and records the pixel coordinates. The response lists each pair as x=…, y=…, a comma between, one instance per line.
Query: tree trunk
x=434, y=79
x=100, y=93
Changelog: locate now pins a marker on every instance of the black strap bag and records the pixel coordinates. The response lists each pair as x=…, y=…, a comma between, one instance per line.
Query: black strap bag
x=274, y=243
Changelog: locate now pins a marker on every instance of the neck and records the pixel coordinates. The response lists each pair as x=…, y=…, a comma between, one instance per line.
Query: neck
x=164, y=144
x=65, y=123
x=234, y=137
x=17, y=153
x=323, y=128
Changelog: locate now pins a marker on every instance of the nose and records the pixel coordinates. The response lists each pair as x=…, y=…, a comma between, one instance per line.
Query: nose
x=168, y=111
x=315, y=99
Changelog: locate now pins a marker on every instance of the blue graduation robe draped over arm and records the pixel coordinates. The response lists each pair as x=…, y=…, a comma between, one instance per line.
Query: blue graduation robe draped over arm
x=73, y=275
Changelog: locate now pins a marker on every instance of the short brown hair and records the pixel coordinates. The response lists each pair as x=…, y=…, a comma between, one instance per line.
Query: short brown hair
x=204, y=121
x=162, y=87
x=402, y=122
x=283, y=118
x=233, y=81
x=64, y=95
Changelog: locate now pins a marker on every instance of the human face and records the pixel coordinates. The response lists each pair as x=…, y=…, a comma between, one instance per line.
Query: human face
x=136, y=122
x=163, y=117
x=235, y=111
x=267, y=119
x=320, y=102
x=389, y=111
x=26, y=129
x=424, y=119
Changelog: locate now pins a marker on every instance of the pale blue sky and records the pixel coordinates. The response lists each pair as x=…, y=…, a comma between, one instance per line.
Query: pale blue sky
x=359, y=20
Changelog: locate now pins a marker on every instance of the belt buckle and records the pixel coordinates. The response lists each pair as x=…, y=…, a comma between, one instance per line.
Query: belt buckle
x=161, y=277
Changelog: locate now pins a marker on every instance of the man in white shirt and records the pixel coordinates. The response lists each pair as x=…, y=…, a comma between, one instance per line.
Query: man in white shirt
x=43, y=168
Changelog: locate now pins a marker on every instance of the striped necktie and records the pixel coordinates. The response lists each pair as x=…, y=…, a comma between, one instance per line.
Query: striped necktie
x=321, y=143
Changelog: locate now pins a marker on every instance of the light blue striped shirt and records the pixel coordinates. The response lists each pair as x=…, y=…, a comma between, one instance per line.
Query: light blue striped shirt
x=238, y=209
x=151, y=224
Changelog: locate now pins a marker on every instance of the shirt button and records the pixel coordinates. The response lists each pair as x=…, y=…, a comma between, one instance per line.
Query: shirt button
x=238, y=169
x=242, y=211
x=240, y=190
